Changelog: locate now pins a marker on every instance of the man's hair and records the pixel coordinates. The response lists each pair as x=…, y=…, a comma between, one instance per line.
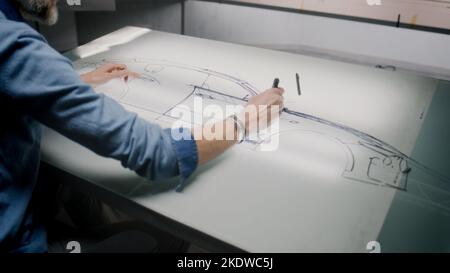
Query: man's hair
x=43, y=11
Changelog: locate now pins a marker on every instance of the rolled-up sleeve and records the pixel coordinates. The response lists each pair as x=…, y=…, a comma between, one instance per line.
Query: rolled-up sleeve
x=38, y=81
x=187, y=156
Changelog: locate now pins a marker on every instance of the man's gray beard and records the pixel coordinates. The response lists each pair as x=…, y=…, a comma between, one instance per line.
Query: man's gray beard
x=43, y=11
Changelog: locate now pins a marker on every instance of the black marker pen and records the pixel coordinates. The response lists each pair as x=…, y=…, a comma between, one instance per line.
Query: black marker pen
x=275, y=83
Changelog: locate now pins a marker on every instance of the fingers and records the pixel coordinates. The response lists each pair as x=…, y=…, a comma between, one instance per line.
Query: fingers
x=273, y=96
x=276, y=97
x=262, y=109
x=123, y=73
x=274, y=91
x=132, y=75
x=126, y=74
x=111, y=67
x=279, y=91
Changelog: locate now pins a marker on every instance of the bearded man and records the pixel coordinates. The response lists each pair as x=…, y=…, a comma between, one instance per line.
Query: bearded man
x=39, y=86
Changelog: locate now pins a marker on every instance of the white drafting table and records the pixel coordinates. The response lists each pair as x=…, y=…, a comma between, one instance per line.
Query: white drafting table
x=301, y=197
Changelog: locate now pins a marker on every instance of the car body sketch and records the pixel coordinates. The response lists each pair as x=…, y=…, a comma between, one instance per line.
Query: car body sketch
x=368, y=159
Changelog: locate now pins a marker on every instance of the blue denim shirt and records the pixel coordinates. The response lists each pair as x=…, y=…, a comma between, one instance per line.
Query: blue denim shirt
x=39, y=86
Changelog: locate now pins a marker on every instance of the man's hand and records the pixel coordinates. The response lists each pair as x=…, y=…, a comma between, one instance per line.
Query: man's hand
x=108, y=72
x=262, y=109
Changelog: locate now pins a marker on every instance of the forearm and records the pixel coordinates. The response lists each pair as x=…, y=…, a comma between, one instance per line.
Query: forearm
x=208, y=147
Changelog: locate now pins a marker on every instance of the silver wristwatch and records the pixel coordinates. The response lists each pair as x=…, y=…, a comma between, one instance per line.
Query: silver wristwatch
x=240, y=128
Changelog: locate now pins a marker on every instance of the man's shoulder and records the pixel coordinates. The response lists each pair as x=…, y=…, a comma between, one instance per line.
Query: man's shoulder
x=10, y=27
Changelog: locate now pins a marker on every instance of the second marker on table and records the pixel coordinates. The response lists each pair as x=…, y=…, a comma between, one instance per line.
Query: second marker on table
x=297, y=79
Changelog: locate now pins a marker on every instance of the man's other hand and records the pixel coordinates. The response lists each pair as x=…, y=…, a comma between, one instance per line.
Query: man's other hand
x=108, y=72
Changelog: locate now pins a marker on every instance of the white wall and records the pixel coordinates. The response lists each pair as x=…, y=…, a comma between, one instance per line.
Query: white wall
x=164, y=15
x=419, y=51
x=76, y=28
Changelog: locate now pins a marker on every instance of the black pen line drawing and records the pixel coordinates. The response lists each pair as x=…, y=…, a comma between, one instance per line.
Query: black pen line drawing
x=368, y=159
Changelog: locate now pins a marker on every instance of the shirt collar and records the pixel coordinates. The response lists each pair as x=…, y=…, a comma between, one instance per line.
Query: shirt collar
x=10, y=10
